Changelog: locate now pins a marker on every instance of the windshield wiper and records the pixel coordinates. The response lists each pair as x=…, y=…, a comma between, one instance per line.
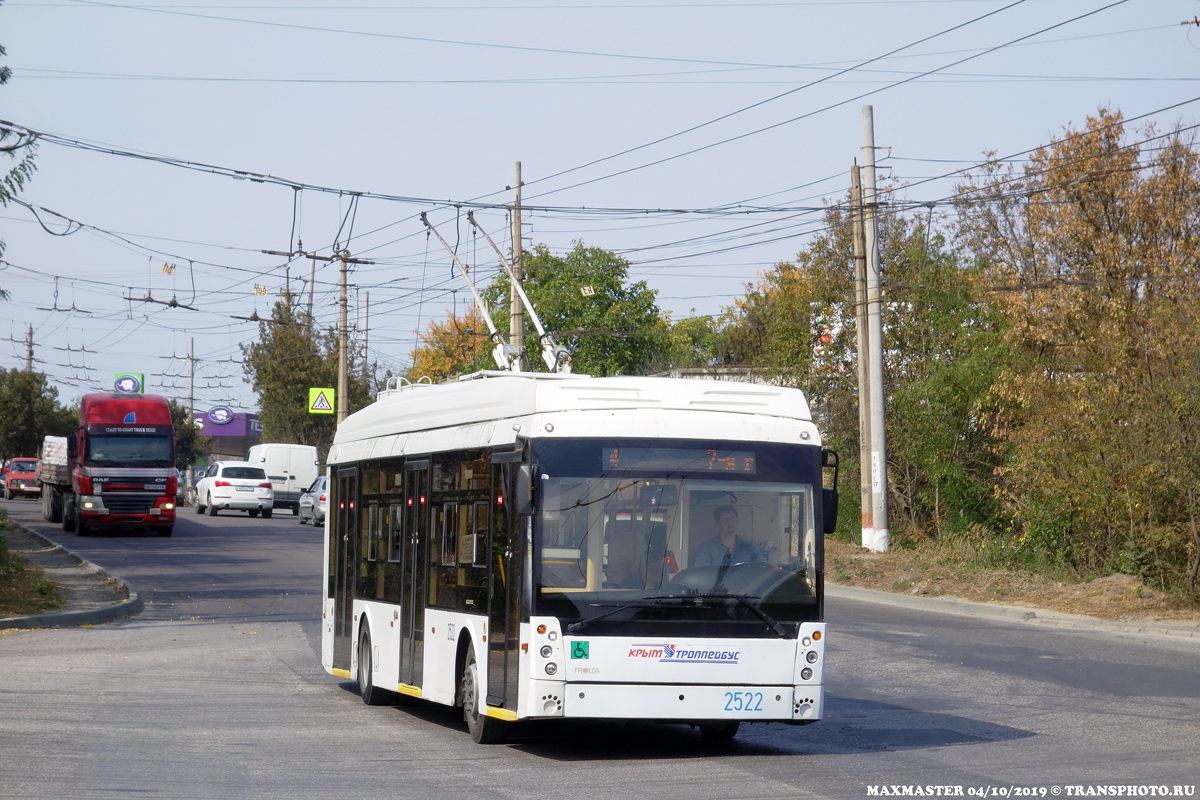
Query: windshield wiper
x=772, y=623
x=645, y=602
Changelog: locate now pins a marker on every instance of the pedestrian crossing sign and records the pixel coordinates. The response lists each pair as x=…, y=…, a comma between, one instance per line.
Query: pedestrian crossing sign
x=320, y=400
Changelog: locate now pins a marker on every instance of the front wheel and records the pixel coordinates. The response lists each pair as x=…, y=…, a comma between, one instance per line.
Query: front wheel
x=68, y=514
x=371, y=694
x=167, y=531
x=484, y=729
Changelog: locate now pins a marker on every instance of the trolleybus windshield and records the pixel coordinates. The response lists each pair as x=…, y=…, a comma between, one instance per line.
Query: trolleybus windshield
x=634, y=537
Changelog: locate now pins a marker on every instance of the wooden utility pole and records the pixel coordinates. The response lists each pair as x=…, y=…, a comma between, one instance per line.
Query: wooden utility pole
x=879, y=482
x=29, y=349
x=516, y=319
x=864, y=357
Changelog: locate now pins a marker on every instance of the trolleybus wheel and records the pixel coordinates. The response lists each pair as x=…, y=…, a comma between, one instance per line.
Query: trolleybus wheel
x=484, y=729
x=372, y=695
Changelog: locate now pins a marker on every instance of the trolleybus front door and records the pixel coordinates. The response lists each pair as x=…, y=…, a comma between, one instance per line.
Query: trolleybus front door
x=345, y=506
x=412, y=571
x=504, y=582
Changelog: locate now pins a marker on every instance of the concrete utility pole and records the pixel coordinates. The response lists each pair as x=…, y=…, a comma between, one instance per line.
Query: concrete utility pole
x=343, y=387
x=343, y=378
x=516, y=319
x=366, y=321
x=29, y=349
x=191, y=378
x=864, y=358
x=343, y=384
x=879, y=486
x=312, y=279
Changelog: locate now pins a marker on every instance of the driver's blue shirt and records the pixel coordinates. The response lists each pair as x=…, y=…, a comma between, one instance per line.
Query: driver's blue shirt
x=712, y=553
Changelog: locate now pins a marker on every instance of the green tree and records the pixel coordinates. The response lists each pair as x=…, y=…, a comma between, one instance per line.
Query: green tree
x=289, y=357
x=190, y=443
x=29, y=412
x=796, y=325
x=586, y=301
x=1093, y=248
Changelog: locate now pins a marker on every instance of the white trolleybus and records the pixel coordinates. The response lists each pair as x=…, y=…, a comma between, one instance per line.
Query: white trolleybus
x=538, y=546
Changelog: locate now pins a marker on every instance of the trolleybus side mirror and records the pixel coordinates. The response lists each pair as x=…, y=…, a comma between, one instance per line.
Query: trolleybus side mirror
x=72, y=450
x=829, y=497
x=525, y=489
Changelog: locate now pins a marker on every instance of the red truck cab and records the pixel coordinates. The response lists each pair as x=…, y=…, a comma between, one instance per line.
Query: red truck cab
x=122, y=463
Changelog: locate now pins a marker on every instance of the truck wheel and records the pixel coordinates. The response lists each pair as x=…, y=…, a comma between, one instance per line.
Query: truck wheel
x=68, y=514
x=212, y=510
x=253, y=513
x=81, y=527
x=267, y=513
x=296, y=510
x=167, y=531
x=56, y=511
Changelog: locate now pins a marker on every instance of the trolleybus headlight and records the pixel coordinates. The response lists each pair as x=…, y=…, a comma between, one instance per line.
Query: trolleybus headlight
x=806, y=674
x=811, y=657
x=806, y=641
x=551, y=668
x=546, y=650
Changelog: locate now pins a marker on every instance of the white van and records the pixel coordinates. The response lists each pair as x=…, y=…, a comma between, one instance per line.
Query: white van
x=291, y=469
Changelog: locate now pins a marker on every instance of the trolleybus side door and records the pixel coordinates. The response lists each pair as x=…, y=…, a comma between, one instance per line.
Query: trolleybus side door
x=345, y=506
x=412, y=570
x=504, y=581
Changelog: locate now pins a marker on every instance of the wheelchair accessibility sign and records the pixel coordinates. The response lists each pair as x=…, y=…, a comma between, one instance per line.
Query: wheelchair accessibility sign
x=579, y=650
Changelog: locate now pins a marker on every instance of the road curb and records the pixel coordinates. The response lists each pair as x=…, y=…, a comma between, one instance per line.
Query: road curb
x=967, y=608
x=129, y=607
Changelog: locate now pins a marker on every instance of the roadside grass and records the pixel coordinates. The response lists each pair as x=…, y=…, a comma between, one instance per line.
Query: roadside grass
x=23, y=587
x=977, y=567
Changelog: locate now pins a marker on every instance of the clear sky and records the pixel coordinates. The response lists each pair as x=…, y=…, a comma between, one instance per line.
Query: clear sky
x=698, y=139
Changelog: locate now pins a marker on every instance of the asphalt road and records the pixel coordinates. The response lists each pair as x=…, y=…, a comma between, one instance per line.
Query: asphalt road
x=215, y=691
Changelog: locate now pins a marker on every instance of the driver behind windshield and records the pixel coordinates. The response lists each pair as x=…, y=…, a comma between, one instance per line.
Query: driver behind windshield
x=727, y=547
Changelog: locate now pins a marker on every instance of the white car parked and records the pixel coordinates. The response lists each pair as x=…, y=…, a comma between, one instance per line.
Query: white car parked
x=237, y=486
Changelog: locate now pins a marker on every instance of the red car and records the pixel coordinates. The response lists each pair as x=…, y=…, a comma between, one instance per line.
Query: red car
x=21, y=479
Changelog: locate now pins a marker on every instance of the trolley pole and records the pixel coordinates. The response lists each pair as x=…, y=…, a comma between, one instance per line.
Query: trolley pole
x=879, y=486
x=516, y=319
